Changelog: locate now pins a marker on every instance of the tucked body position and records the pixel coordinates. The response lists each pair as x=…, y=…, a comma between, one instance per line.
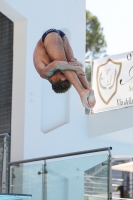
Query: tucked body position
x=54, y=61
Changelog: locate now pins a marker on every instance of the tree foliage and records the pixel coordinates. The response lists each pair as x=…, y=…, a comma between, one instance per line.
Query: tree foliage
x=95, y=40
x=88, y=75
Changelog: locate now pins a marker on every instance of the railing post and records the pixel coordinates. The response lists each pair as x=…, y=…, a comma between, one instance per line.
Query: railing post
x=110, y=178
x=45, y=181
x=4, y=182
x=131, y=182
x=4, y=166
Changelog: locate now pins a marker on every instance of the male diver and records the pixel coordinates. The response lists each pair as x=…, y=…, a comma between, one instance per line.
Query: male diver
x=54, y=60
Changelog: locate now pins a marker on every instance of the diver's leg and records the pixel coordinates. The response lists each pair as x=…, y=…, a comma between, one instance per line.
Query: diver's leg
x=68, y=50
x=83, y=93
x=83, y=80
x=55, y=48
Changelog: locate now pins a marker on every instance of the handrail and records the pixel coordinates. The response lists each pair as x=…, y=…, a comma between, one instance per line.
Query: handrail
x=60, y=156
x=5, y=135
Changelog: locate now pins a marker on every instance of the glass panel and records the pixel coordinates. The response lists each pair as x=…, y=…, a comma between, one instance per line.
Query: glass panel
x=83, y=178
x=27, y=179
x=80, y=178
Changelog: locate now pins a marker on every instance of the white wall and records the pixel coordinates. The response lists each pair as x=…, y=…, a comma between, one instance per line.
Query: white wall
x=71, y=172
x=72, y=136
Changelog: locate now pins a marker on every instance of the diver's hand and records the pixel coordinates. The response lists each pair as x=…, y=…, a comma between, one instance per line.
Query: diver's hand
x=75, y=62
x=79, y=71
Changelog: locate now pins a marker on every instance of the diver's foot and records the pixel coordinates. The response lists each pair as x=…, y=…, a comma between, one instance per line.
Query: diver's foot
x=91, y=99
x=88, y=98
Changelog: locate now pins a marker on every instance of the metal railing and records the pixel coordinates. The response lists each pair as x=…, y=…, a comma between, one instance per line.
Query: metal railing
x=16, y=164
x=60, y=156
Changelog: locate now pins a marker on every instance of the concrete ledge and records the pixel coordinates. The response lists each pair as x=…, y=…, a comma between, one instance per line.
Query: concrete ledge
x=110, y=121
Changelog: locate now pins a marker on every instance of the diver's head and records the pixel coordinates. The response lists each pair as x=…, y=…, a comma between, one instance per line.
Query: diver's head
x=59, y=82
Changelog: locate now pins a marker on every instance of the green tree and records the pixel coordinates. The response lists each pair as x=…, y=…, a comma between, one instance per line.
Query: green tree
x=88, y=75
x=95, y=40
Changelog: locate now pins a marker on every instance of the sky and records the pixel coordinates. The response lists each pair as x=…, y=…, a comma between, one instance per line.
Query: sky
x=116, y=18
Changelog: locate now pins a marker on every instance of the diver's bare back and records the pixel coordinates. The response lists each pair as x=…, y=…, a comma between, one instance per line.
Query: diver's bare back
x=40, y=57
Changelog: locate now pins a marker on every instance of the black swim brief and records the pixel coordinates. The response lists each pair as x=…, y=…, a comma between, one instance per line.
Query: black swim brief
x=61, y=33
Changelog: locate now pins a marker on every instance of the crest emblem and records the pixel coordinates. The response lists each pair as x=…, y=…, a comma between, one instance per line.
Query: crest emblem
x=107, y=79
